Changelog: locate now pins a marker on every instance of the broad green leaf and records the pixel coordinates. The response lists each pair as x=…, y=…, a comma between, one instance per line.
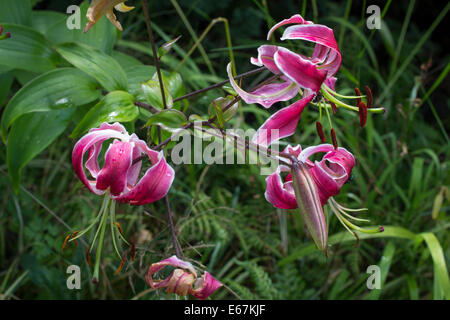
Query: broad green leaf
x=168, y=119
x=136, y=76
x=101, y=36
x=126, y=61
x=57, y=89
x=116, y=106
x=95, y=63
x=42, y=20
x=151, y=94
x=31, y=134
x=6, y=80
x=222, y=103
x=14, y=11
x=139, y=74
x=27, y=49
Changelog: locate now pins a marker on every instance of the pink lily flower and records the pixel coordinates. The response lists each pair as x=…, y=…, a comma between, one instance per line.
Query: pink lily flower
x=183, y=279
x=297, y=72
x=120, y=174
x=311, y=185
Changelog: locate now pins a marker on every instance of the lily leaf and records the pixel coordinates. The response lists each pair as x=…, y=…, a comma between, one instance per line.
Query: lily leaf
x=31, y=134
x=95, y=63
x=57, y=89
x=116, y=106
x=151, y=94
x=27, y=49
x=168, y=119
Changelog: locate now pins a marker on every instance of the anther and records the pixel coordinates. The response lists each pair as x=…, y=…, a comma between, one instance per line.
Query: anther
x=334, y=139
x=65, y=242
x=133, y=251
x=358, y=93
x=333, y=106
x=88, y=256
x=319, y=129
x=362, y=113
x=369, y=97
x=119, y=227
x=122, y=262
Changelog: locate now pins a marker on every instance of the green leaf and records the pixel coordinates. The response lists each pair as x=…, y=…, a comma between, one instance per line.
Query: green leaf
x=31, y=134
x=17, y=12
x=101, y=36
x=384, y=264
x=95, y=63
x=57, y=89
x=126, y=61
x=151, y=94
x=6, y=80
x=42, y=20
x=136, y=76
x=168, y=119
x=222, y=103
x=27, y=49
x=116, y=106
x=441, y=278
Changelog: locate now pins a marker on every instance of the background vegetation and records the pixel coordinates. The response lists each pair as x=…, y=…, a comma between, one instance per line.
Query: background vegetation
x=222, y=218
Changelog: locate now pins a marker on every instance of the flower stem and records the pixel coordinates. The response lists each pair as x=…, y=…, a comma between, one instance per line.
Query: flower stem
x=98, y=254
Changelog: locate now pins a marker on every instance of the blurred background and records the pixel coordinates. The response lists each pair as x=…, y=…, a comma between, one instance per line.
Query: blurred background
x=222, y=218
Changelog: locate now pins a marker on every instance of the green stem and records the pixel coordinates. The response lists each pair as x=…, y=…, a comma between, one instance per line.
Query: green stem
x=98, y=254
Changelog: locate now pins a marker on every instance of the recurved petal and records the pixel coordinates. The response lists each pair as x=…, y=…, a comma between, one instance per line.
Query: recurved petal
x=281, y=124
x=118, y=160
x=93, y=139
x=154, y=184
x=266, y=95
x=277, y=193
x=300, y=70
x=173, y=261
x=205, y=286
x=294, y=19
x=266, y=58
x=321, y=35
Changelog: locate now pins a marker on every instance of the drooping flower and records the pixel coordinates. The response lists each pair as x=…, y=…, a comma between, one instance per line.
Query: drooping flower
x=296, y=72
x=312, y=77
x=120, y=174
x=99, y=8
x=310, y=185
x=183, y=280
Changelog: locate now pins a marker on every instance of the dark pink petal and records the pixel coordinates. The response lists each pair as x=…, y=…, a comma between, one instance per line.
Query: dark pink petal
x=266, y=95
x=332, y=171
x=265, y=58
x=321, y=35
x=113, y=175
x=294, y=19
x=331, y=82
x=205, y=286
x=277, y=194
x=91, y=139
x=133, y=172
x=172, y=261
x=154, y=184
x=281, y=124
x=300, y=70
